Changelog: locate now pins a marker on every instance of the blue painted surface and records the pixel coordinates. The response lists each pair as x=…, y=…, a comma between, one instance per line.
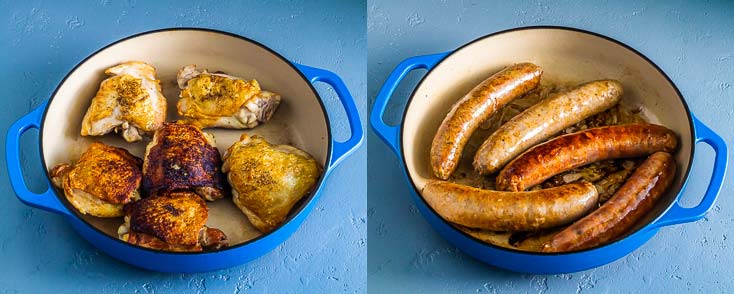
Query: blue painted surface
x=43, y=41
x=691, y=42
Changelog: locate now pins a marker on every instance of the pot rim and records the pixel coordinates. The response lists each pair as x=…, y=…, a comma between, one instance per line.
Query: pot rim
x=306, y=201
x=562, y=28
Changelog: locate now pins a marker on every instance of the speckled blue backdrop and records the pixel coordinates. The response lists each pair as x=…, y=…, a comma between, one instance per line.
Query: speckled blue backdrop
x=41, y=41
x=693, y=41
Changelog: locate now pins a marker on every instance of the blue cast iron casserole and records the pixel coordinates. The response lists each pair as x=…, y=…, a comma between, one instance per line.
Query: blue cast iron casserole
x=168, y=50
x=566, y=54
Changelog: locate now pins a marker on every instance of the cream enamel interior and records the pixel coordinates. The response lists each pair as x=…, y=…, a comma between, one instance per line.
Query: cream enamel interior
x=299, y=121
x=565, y=55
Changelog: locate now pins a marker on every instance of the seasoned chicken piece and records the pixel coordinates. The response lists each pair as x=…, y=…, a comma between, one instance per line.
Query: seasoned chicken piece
x=220, y=100
x=171, y=221
x=101, y=182
x=130, y=102
x=267, y=180
x=182, y=157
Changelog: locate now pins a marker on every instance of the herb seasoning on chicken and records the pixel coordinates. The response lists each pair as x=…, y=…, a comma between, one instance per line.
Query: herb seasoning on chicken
x=101, y=182
x=267, y=180
x=220, y=100
x=130, y=102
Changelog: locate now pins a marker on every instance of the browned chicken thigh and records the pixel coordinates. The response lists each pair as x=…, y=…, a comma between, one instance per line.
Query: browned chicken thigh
x=102, y=181
x=130, y=102
x=268, y=180
x=182, y=157
x=171, y=221
x=220, y=100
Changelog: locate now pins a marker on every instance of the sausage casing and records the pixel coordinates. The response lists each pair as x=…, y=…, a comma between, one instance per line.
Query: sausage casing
x=573, y=150
x=476, y=106
x=544, y=119
x=510, y=211
x=621, y=212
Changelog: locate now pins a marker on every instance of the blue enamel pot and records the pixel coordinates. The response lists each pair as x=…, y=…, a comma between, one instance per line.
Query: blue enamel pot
x=301, y=120
x=566, y=54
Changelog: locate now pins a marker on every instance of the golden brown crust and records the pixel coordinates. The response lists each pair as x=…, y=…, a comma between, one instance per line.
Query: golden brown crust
x=220, y=100
x=132, y=95
x=149, y=241
x=181, y=158
x=174, y=217
x=212, y=96
x=510, y=211
x=106, y=172
x=210, y=239
x=573, y=150
x=268, y=180
x=478, y=105
x=618, y=215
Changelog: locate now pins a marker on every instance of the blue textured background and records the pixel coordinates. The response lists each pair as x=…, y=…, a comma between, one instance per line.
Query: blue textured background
x=41, y=42
x=693, y=41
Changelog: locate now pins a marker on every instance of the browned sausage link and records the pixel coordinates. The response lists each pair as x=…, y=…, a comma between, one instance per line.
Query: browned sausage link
x=631, y=203
x=573, y=150
x=476, y=106
x=544, y=119
x=510, y=211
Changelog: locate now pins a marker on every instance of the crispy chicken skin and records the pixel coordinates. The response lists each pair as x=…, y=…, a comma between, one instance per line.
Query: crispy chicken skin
x=267, y=180
x=130, y=101
x=220, y=100
x=102, y=181
x=182, y=157
x=171, y=221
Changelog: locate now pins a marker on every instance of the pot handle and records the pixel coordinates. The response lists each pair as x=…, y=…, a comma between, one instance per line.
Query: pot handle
x=46, y=200
x=389, y=134
x=341, y=149
x=677, y=214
